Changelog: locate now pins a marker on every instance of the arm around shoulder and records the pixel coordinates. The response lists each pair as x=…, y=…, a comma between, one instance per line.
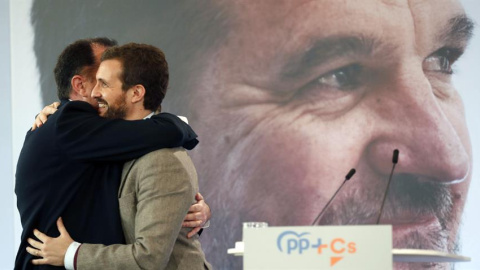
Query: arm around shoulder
x=85, y=136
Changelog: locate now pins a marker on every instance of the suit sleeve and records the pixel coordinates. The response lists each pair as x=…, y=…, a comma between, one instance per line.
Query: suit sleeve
x=164, y=194
x=85, y=136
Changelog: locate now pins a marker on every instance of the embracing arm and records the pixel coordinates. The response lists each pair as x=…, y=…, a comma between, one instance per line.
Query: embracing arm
x=85, y=136
x=198, y=216
x=61, y=250
x=42, y=117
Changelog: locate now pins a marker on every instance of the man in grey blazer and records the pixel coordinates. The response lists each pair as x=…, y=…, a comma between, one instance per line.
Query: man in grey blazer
x=156, y=190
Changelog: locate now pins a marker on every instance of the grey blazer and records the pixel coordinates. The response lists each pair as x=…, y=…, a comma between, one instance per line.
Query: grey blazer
x=154, y=196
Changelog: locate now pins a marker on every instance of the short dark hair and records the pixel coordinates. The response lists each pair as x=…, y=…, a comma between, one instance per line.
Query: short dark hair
x=142, y=64
x=187, y=31
x=77, y=59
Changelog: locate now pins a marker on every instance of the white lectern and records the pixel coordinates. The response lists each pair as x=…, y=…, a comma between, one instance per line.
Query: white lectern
x=328, y=247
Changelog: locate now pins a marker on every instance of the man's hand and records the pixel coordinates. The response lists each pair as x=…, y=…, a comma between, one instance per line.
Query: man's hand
x=198, y=215
x=52, y=250
x=43, y=115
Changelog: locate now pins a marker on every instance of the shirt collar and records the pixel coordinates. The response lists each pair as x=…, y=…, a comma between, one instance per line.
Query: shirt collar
x=148, y=116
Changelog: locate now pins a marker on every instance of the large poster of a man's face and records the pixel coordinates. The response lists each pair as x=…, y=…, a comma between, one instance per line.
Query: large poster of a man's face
x=287, y=96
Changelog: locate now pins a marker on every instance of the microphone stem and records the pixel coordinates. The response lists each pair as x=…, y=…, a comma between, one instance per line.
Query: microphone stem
x=386, y=192
x=328, y=203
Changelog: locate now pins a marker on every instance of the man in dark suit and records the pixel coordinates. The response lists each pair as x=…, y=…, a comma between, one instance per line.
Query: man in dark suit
x=71, y=166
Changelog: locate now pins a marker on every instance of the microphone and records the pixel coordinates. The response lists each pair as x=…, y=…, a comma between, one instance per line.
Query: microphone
x=347, y=177
x=395, y=156
x=394, y=161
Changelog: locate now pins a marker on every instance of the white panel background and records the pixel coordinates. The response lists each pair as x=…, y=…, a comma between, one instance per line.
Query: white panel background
x=7, y=207
x=467, y=80
x=20, y=102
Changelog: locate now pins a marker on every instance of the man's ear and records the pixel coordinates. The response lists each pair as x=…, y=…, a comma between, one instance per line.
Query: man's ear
x=138, y=93
x=78, y=85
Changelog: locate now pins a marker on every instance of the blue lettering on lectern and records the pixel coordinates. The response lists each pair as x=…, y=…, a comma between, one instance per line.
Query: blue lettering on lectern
x=290, y=241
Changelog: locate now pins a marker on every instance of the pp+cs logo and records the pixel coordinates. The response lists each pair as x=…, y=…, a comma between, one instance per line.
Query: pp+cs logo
x=291, y=242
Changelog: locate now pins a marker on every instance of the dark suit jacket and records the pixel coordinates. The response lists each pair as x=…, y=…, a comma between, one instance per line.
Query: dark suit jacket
x=71, y=167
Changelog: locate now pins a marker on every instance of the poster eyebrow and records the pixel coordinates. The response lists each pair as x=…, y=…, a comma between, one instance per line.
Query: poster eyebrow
x=330, y=48
x=458, y=29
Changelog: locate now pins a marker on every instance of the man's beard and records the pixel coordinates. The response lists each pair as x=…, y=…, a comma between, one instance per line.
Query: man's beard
x=410, y=196
x=117, y=109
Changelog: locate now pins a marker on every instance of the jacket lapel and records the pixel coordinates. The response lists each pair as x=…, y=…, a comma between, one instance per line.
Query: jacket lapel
x=126, y=170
